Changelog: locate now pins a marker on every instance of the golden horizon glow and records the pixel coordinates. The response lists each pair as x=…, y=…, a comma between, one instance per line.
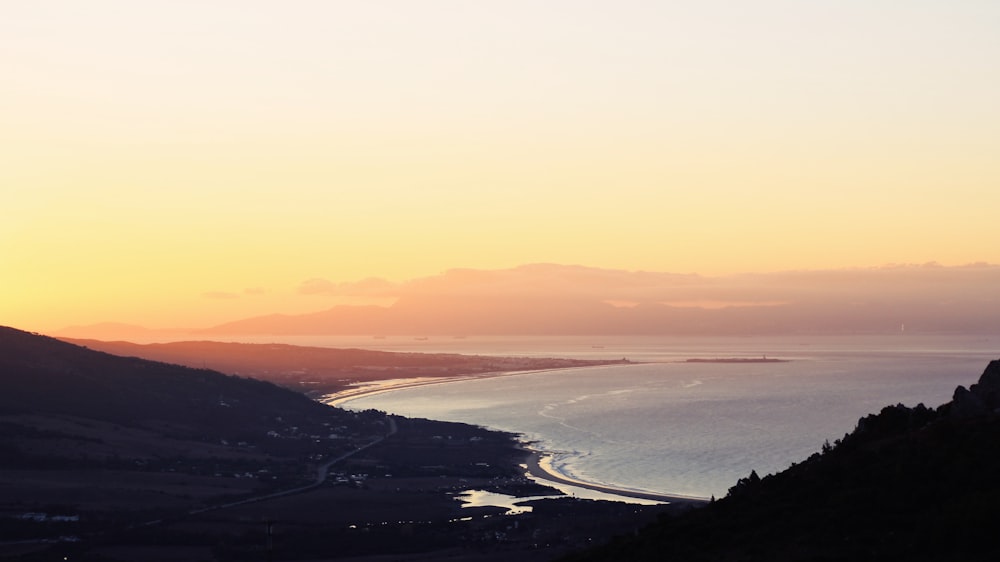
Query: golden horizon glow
x=183, y=164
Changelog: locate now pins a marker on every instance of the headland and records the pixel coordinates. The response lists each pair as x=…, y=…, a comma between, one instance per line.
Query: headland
x=762, y=359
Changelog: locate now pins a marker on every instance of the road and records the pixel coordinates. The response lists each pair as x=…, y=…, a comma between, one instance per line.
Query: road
x=321, y=473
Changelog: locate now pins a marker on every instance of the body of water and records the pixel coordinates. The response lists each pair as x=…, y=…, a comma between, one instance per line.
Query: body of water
x=691, y=428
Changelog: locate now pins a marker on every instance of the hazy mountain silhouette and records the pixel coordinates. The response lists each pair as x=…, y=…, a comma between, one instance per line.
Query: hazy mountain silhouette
x=545, y=299
x=906, y=484
x=512, y=315
x=548, y=299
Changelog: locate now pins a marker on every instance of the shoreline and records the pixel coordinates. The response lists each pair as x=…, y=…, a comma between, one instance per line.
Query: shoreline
x=537, y=465
x=389, y=385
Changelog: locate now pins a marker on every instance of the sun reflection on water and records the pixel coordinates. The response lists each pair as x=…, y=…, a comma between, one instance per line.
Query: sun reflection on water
x=482, y=498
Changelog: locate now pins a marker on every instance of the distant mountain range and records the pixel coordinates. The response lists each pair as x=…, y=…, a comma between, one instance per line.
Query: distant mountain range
x=576, y=316
x=545, y=299
x=449, y=316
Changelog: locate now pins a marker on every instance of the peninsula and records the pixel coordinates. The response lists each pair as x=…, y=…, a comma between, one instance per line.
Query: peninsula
x=323, y=371
x=761, y=359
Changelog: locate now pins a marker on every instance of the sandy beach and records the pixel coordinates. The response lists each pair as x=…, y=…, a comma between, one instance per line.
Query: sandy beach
x=540, y=469
x=379, y=387
x=538, y=466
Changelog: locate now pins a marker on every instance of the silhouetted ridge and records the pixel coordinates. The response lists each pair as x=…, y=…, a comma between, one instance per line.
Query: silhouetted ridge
x=43, y=375
x=981, y=398
x=906, y=484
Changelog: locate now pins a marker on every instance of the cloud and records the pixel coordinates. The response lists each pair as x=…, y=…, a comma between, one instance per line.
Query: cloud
x=255, y=291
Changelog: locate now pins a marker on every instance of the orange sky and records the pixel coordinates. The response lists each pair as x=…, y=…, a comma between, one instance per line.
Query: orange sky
x=187, y=163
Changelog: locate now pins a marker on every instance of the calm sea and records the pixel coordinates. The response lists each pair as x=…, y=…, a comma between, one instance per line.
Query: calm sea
x=687, y=428
x=675, y=427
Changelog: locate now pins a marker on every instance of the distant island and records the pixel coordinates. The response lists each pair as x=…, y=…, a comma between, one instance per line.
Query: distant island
x=761, y=359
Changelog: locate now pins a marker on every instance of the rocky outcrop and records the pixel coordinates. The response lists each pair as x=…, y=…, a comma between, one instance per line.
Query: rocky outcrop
x=981, y=398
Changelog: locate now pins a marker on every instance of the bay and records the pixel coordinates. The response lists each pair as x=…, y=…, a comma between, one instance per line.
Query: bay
x=670, y=426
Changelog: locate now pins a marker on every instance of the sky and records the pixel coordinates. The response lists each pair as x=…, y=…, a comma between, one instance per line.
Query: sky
x=182, y=163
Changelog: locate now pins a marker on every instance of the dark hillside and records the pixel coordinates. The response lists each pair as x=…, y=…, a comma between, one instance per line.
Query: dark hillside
x=49, y=388
x=41, y=375
x=906, y=484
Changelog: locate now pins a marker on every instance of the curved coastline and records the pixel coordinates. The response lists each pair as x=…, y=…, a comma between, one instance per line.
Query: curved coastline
x=538, y=465
x=379, y=387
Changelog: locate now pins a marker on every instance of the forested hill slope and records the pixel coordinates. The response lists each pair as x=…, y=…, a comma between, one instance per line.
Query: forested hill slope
x=44, y=376
x=906, y=484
